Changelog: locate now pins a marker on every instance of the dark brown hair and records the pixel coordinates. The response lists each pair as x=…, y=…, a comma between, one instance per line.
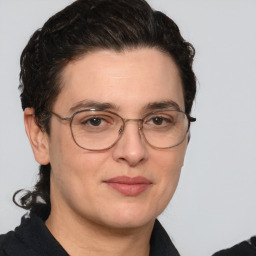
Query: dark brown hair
x=84, y=26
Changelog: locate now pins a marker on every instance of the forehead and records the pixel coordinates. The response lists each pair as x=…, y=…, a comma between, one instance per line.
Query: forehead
x=128, y=80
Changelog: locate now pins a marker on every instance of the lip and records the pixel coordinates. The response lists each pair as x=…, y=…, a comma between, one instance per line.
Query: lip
x=129, y=186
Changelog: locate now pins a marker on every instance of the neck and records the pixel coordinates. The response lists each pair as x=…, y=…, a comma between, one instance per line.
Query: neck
x=80, y=236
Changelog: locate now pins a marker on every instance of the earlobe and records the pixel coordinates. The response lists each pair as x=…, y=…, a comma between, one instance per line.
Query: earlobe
x=37, y=137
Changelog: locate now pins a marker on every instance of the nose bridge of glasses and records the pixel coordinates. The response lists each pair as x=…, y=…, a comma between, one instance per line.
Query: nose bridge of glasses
x=139, y=120
x=132, y=129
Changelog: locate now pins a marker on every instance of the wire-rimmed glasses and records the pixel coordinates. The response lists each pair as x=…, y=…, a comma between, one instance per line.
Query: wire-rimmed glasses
x=97, y=130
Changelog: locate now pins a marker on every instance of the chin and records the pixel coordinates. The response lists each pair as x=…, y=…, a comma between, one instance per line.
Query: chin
x=129, y=218
x=128, y=223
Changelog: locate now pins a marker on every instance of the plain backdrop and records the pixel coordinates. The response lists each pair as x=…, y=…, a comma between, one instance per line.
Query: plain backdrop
x=215, y=203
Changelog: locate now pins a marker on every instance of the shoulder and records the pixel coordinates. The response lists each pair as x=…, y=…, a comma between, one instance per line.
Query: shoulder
x=8, y=241
x=30, y=238
x=12, y=244
x=245, y=248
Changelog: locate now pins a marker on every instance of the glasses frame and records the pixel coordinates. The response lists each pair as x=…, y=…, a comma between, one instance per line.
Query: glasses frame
x=124, y=120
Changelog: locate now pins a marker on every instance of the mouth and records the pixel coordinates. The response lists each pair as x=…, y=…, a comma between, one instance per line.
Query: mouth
x=129, y=186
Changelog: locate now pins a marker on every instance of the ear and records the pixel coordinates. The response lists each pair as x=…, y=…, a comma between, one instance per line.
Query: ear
x=37, y=137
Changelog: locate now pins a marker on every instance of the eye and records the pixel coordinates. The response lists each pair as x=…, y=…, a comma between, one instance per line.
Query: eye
x=158, y=120
x=94, y=121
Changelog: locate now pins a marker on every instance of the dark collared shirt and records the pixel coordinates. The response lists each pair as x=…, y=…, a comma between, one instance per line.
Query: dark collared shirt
x=32, y=238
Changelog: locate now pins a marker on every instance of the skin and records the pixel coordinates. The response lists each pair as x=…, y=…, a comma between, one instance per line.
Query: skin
x=88, y=215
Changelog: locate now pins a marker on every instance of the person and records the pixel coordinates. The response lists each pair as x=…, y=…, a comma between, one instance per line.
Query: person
x=107, y=88
x=245, y=248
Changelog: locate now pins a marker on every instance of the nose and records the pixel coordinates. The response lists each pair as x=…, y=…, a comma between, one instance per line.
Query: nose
x=131, y=148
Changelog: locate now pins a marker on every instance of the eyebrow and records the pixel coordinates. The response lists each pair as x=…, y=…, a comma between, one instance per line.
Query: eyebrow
x=110, y=106
x=93, y=104
x=162, y=105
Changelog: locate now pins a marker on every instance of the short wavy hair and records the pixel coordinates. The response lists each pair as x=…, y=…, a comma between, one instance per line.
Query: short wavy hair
x=82, y=27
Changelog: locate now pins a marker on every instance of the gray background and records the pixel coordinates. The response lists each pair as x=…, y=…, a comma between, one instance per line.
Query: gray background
x=215, y=205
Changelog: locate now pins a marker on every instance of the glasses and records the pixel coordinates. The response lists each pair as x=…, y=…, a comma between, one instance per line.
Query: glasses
x=100, y=130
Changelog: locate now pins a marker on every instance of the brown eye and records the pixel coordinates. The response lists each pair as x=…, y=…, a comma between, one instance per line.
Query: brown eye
x=157, y=120
x=95, y=121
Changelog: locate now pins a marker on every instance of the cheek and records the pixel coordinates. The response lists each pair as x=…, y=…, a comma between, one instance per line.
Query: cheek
x=168, y=166
x=60, y=148
x=72, y=167
x=169, y=162
x=64, y=159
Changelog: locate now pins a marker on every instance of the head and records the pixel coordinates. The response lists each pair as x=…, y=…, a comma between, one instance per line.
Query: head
x=98, y=33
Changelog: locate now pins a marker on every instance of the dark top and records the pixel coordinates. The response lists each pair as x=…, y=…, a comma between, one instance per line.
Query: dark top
x=32, y=238
x=246, y=248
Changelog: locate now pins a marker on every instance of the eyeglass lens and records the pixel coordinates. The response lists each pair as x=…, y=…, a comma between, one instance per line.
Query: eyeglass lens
x=98, y=130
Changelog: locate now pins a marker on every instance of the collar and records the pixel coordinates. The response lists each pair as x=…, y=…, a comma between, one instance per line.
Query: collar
x=160, y=242
x=32, y=238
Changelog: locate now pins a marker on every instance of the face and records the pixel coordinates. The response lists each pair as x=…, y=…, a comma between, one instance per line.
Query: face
x=87, y=185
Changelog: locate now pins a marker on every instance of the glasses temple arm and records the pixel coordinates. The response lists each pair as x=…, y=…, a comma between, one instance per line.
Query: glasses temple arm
x=191, y=119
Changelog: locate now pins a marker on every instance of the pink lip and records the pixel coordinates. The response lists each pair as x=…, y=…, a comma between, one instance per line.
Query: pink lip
x=129, y=186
